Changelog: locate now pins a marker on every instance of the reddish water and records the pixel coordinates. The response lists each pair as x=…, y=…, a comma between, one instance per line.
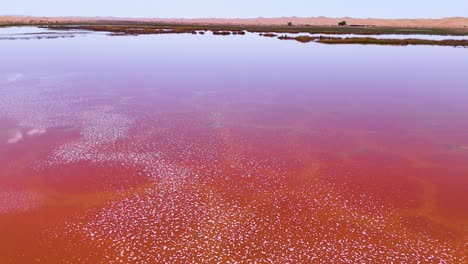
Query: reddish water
x=201, y=149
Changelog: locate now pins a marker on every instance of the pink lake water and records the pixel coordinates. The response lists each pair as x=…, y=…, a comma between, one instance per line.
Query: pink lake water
x=230, y=149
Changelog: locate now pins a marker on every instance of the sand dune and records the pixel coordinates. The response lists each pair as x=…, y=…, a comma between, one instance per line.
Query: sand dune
x=452, y=22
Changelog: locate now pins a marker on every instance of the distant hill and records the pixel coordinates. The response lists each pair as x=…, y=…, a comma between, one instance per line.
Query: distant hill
x=452, y=22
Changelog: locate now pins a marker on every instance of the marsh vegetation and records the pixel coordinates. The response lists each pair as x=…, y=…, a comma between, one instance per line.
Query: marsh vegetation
x=376, y=41
x=125, y=26
x=267, y=31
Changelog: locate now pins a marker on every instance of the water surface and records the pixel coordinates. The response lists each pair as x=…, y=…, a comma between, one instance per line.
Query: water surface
x=205, y=149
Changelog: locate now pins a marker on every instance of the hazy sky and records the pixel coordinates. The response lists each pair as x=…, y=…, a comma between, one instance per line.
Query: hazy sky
x=237, y=8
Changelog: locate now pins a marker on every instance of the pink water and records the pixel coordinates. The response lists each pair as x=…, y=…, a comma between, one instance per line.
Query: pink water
x=205, y=149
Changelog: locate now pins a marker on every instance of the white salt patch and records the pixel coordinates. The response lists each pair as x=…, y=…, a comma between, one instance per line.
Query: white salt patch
x=43, y=103
x=36, y=131
x=17, y=137
x=15, y=201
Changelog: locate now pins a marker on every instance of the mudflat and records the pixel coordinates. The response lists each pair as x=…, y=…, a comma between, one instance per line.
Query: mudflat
x=450, y=22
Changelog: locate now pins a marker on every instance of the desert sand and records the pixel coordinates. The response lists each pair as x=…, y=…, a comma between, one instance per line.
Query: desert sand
x=452, y=22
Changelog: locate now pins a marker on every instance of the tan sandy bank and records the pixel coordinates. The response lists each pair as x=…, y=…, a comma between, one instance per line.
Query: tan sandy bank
x=452, y=22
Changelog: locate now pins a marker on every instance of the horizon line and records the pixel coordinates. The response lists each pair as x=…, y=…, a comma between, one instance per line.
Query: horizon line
x=228, y=18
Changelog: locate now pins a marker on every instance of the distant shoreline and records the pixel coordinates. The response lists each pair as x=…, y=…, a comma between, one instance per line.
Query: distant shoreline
x=269, y=27
x=453, y=22
x=325, y=34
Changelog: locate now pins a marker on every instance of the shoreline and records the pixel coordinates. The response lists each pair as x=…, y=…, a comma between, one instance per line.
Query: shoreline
x=122, y=28
x=447, y=23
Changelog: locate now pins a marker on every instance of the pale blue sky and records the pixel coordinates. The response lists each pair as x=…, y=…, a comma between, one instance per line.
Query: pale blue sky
x=237, y=8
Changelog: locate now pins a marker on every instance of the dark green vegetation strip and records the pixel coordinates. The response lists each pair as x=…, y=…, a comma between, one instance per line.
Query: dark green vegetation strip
x=376, y=41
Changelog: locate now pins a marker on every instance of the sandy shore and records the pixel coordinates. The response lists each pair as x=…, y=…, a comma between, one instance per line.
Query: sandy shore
x=453, y=22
